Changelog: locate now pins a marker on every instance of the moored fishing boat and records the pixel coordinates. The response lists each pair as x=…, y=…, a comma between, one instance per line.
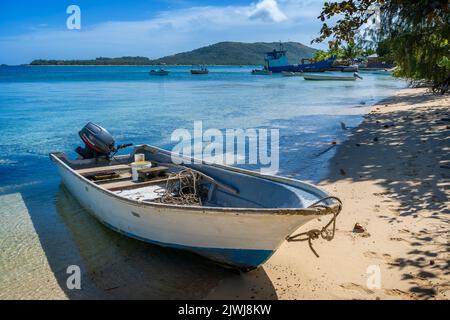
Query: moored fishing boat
x=277, y=61
x=160, y=72
x=236, y=217
x=331, y=77
x=201, y=70
x=261, y=72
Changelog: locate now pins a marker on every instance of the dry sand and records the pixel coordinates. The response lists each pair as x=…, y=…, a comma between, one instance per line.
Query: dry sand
x=393, y=176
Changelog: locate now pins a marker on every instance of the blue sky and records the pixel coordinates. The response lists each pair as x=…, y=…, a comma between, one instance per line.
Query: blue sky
x=153, y=28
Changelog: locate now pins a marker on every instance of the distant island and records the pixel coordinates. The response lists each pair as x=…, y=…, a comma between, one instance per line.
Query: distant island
x=122, y=61
x=222, y=53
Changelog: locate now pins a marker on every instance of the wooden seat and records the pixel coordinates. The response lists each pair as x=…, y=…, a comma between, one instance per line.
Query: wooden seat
x=123, y=176
x=123, y=185
x=99, y=170
x=150, y=173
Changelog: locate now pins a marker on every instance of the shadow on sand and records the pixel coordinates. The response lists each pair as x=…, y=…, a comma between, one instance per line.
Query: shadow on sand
x=409, y=157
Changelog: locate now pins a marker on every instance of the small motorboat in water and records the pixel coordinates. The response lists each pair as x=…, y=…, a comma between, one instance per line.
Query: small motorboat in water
x=235, y=217
x=261, y=72
x=160, y=72
x=291, y=74
x=331, y=77
x=201, y=70
x=350, y=68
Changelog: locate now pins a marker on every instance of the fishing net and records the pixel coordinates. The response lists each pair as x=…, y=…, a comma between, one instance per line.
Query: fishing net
x=182, y=188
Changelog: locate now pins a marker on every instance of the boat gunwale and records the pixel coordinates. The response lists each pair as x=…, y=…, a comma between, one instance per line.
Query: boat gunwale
x=56, y=156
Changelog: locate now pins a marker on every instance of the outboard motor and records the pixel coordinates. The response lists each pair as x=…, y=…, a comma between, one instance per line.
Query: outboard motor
x=98, y=142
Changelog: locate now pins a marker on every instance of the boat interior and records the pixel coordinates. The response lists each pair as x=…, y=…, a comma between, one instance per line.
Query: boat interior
x=190, y=183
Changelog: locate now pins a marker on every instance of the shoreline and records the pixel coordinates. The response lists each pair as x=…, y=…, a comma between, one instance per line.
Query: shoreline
x=391, y=175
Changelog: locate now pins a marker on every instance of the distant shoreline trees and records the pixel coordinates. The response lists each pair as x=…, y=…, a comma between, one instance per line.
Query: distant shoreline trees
x=101, y=61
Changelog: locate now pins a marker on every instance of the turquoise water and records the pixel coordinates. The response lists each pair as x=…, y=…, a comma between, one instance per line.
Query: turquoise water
x=43, y=108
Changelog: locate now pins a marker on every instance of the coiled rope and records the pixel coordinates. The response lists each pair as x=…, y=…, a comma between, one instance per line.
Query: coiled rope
x=181, y=191
x=314, y=234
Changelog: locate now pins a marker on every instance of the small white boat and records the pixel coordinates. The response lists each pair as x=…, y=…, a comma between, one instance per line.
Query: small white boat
x=292, y=74
x=160, y=72
x=240, y=219
x=351, y=68
x=261, y=72
x=331, y=77
x=384, y=71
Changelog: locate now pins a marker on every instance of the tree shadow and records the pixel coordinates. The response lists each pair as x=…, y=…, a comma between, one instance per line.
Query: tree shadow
x=116, y=267
x=407, y=153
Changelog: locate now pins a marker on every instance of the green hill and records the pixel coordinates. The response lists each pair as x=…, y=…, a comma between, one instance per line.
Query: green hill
x=222, y=53
x=236, y=53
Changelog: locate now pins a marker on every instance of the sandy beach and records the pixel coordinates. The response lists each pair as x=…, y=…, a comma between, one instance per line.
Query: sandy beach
x=392, y=175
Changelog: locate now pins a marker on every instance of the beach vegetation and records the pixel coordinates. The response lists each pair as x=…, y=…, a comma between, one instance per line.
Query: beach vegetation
x=414, y=35
x=347, y=53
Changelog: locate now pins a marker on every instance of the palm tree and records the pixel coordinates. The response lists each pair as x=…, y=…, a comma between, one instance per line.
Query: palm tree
x=348, y=53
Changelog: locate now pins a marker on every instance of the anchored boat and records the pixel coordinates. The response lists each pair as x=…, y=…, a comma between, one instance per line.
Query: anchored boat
x=331, y=77
x=236, y=217
x=261, y=72
x=160, y=72
x=201, y=70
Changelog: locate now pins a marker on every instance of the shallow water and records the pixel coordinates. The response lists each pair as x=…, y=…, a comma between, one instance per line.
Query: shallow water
x=43, y=108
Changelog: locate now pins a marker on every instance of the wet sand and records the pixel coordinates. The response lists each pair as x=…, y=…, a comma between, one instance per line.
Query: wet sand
x=393, y=177
x=396, y=186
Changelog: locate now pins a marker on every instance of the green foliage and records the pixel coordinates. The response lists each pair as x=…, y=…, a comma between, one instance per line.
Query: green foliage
x=444, y=63
x=413, y=34
x=348, y=52
x=320, y=55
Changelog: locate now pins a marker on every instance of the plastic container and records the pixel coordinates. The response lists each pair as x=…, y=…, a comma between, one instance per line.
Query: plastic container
x=139, y=157
x=135, y=166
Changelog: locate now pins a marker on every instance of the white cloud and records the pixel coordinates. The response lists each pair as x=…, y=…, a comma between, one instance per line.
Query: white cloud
x=268, y=10
x=170, y=32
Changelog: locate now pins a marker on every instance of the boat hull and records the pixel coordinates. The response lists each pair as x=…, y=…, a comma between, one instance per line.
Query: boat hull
x=199, y=72
x=236, y=238
x=320, y=66
x=262, y=72
x=159, y=73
